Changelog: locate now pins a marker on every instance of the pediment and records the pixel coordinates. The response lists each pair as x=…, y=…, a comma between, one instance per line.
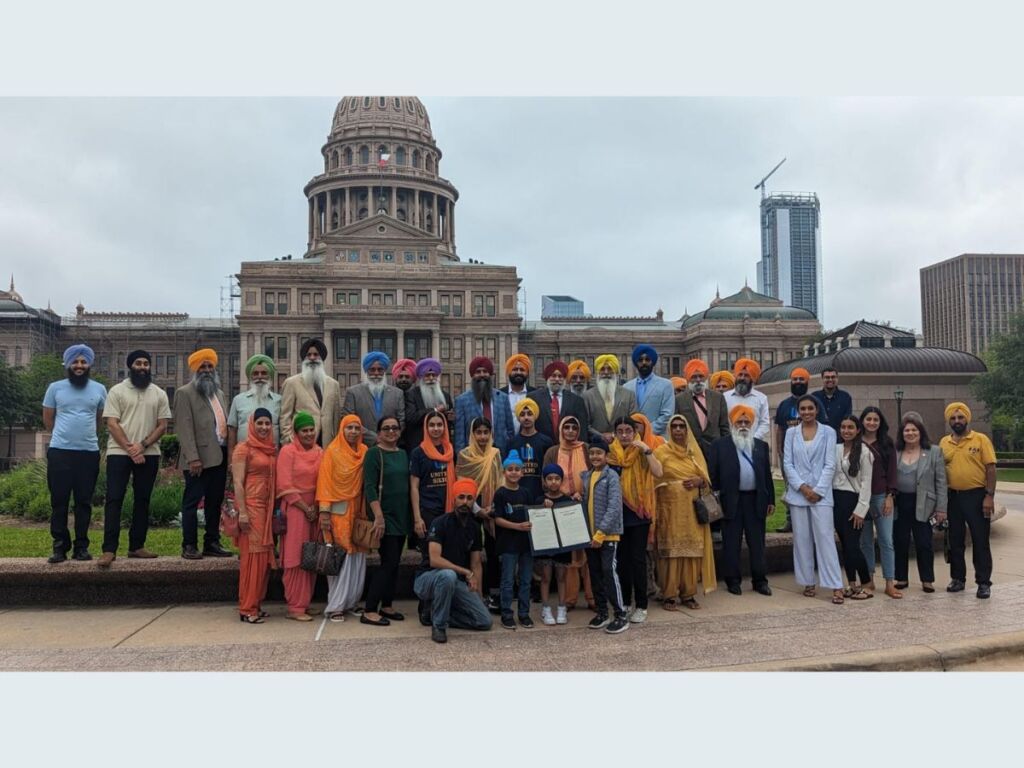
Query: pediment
x=370, y=229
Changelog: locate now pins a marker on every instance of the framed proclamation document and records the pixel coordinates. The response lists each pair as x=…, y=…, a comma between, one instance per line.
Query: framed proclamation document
x=561, y=529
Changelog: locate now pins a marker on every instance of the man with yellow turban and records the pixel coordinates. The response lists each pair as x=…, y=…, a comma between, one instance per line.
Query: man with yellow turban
x=517, y=374
x=971, y=475
x=747, y=372
x=261, y=374
x=740, y=468
x=722, y=381
x=201, y=424
x=579, y=377
x=531, y=445
x=607, y=401
x=703, y=408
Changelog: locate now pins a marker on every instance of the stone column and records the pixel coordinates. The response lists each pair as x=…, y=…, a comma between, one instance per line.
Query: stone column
x=316, y=216
x=394, y=201
x=345, y=212
x=295, y=364
x=399, y=343
x=364, y=343
x=503, y=354
x=437, y=230
x=416, y=210
x=310, y=223
x=451, y=222
x=435, y=345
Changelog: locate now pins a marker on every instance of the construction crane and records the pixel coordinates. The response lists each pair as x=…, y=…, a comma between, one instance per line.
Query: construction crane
x=760, y=184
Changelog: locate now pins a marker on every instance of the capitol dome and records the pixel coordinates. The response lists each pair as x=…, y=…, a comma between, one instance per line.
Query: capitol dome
x=355, y=112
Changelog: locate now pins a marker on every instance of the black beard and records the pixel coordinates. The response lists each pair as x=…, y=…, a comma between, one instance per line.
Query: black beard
x=517, y=379
x=463, y=512
x=140, y=379
x=78, y=380
x=743, y=388
x=644, y=370
x=798, y=390
x=404, y=385
x=958, y=428
x=482, y=389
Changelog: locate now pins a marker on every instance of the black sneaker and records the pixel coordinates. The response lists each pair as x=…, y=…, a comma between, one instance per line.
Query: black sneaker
x=58, y=556
x=494, y=605
x=618, y=624
x=526, y=622
x=215, y=550
x=423, y=609
x=598, y=622
x=81, y=554
x=984, y=591
x=189, y=552
x=439, y=635
x=508, y=622
x=955, y=585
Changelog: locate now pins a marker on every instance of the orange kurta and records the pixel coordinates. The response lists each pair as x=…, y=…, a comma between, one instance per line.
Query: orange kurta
x=256, y=546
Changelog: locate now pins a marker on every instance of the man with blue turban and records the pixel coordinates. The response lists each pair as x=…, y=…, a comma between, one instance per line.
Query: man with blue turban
x=374, y=399
x=261, y=374
x=655, y=396
x=72, y=412
x=313, y=391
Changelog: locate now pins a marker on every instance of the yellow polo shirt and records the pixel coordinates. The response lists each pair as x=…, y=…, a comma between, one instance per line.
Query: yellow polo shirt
x=966, y=460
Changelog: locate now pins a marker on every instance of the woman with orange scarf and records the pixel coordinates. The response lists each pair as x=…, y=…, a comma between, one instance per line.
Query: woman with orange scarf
x=637, y=466
x=253, y=468
x=432, y=475
x=571, y=455
x=298, y=466
x=481, y=462
x=339, y=493
x=682, y=545
x=646, y=432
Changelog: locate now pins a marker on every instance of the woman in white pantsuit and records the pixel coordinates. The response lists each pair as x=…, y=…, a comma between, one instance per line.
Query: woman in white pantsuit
x=809, y=459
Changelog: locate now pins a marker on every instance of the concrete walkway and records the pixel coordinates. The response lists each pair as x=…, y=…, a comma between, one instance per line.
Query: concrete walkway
x=785, y=631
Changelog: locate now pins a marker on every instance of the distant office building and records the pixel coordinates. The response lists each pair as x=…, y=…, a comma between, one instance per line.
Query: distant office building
x=560, y=306
x=790, y=265
x=968, y=299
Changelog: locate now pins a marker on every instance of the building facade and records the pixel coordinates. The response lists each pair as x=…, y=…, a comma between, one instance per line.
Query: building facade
x=968, y=299
x=561, y=306
x=24, y=330
x=790, y=265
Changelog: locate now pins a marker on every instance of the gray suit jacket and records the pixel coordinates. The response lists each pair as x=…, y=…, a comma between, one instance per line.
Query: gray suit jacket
x=196, y=427
x=931, y=483
x=623, y=405
x=296, y=396
x=718, y=416
x=359, y=401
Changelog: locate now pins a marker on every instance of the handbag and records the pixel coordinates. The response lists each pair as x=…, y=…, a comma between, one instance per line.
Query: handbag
x=707, y=508
x=322, y=558
x=278, y=523
x=364, y=534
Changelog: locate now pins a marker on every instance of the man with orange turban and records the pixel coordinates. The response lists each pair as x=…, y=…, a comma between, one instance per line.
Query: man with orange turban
x=740, y=469
x=786, y=416
x=678, y=384
x=447, y=580
x=201, y=424
x=747, y=372
x=703, y=408
x=722, y=381
x=517, y=374
x=579, y=377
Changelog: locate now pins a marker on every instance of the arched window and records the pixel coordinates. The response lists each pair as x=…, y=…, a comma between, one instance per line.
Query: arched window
x=382, y=102
x=364, y=154
x=381, y=150
x=362, y=213
x=334, y=159
x=430, y=163
x=400, y=156
x=352, y=104
x=430, y=222
x=366, y=102
x=408, y=106
x=348, y=156
x=415, y=158
x=398, y=104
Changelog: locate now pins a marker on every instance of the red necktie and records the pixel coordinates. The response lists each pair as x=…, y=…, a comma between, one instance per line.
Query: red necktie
x=554, y=414
x=487, y=410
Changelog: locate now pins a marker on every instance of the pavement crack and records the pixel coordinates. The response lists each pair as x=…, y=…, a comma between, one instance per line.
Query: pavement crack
x=133, y=634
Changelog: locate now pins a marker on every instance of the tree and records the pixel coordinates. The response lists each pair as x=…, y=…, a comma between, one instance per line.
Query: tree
x=34, y=380
x=1002, y=388
x=12, y=402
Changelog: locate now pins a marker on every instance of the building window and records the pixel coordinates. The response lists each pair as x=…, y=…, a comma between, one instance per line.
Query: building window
x=318, y=301
x=383, y=341
x=400, y=156
x=458, y=343
x=305, y=302
x=375, y=257
x=268, y=302
x=484, y=304
x=418, y=345
x=446, y=348
x=353, y=257
x=415, y=158
x=268, y=346
x=348, y=156
x=364, y=155
x=282, y=303
x=389, y=255
x=282, y=347
x=409, y=257
x=422, y=257
x=346, y=345
x=171, y=362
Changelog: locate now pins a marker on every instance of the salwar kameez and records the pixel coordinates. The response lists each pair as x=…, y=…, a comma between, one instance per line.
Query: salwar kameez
x=256, y=545
x=297, y=469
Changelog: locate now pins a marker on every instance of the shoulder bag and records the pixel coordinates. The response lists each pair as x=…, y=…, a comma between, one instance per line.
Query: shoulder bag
x=364, y=534
x=707, y=507
x=321, y=557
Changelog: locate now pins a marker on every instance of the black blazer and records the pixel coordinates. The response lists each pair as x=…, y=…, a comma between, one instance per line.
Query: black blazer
x=724, y=468
x=572, y=405
x=416, y=412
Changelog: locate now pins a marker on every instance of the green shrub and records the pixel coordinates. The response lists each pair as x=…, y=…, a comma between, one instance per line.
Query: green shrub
x=22, y=488
x=169, y=448
x=38, y=507
x=164, y=504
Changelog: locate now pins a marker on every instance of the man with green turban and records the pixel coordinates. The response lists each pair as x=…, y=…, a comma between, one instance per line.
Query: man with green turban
x=261, y=374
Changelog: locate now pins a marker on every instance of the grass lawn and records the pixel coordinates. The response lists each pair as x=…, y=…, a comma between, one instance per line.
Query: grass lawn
x=1010, y=475
x=17, y=541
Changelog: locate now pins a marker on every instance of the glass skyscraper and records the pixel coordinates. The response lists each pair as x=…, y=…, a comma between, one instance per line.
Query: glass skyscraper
x=790, y=265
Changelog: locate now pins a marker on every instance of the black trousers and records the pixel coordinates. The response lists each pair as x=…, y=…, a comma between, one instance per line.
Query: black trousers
x=745, y=522
x=965, y=509
x=208, y=486
x=854, y=562
x=492, y=565
x=604, y=580
x=904, y=526
x=632, y=564
x=121, y=469
x=67, y=473
x=382, y=585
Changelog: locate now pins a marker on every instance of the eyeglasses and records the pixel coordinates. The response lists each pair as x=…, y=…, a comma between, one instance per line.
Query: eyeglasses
x=573, y=427
x=391, y=428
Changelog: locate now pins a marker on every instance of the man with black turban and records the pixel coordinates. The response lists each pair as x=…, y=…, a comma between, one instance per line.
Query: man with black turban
x=313, y=391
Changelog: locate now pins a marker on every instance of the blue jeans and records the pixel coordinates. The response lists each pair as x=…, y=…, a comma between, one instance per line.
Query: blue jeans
x=509, y=562
x=451, y=601
x=885, y=542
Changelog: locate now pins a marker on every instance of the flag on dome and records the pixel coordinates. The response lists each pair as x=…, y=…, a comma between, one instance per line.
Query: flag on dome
x=384, y=157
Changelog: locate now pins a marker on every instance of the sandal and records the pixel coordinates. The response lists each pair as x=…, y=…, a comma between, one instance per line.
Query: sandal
x=337, y=617
x=670, y=605
x=691, y=603
x=263, y=614
x=298, y=617
x=810, y=591
x=860, y=594
x=837, y=598
x=250, y=619
x=849, y=592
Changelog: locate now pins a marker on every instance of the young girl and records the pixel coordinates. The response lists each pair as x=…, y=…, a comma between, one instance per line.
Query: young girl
x=851, y=492
x=883, y=494
x=481, y=462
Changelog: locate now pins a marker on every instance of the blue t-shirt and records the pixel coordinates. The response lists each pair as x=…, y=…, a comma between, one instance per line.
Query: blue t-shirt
x=74, y=425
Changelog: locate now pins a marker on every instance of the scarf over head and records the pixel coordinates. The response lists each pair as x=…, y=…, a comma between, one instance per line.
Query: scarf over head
x=954, y=407
x=650, y=439
x=572, y=458
x=255, y=360
x=645, y=349
x=676, y=459
x=579, y=366
x=253, y=443
x=481, y=465
x=201, y=356
x=444, y=453
x=695, y=366
x=612, y=361
x=428, y=365
x=517, y=358
x=341, y=470
x=78, y=350
x=637, y=480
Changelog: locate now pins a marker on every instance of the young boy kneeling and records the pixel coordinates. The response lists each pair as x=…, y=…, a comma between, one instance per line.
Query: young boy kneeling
x=602, y=503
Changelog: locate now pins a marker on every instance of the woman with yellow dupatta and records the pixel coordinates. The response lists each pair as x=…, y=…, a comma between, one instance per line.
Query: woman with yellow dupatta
x=481, y=462
x=682, y=544
x=339, y=494
x=571, y=455
x=637, y=467
x=253, y=469
x=646, y=432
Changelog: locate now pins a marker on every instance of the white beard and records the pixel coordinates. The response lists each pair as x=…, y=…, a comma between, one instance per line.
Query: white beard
x=432, y=395
x=313, y=375
x=578, y=389
x=697, y=387
x=262, y=392
x=606, y=388
x=743, y=439
x=376, y=387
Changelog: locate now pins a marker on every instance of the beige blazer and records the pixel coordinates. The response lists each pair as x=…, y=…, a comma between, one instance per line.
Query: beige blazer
x=296, y=396
x=196, y=427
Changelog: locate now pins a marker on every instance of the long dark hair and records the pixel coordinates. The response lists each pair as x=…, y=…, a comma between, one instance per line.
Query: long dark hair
x=856, y=446
x=910, y=418
x=885, y=444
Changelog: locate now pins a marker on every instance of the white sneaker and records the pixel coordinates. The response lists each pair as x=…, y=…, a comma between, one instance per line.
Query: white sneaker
x=563, y=615
x=546, y=617
x=638, y=616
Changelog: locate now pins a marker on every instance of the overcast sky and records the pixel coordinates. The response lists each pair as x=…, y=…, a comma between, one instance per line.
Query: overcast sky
x=627, y=204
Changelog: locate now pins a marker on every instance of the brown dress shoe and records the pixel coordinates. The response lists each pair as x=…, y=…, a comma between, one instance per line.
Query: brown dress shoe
x=143, y=553
x=106, y=559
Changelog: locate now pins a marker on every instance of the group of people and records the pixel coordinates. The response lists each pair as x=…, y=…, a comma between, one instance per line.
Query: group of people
x=648, y=461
